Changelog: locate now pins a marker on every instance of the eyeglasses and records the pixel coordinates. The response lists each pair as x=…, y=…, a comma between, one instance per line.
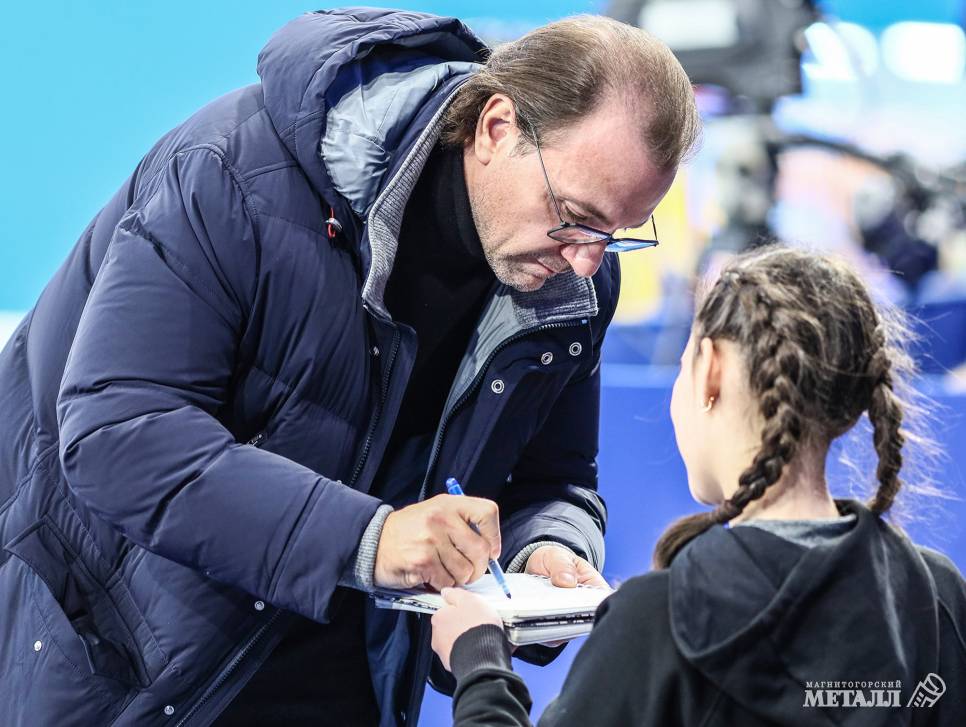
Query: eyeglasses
x=574, y=233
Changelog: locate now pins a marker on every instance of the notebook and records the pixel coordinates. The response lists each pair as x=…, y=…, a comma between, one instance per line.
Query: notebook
x=539, y=612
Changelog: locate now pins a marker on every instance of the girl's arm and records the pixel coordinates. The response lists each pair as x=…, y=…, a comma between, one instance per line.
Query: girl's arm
x=625, y=673
x=487, y=692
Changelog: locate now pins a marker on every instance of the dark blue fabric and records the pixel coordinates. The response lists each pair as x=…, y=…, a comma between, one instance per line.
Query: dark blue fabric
x=192, y=414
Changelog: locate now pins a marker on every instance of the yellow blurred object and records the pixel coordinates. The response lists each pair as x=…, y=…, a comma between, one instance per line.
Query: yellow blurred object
x=641, y=270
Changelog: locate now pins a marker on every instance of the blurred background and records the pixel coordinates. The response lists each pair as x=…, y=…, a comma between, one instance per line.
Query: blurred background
x=831, y=125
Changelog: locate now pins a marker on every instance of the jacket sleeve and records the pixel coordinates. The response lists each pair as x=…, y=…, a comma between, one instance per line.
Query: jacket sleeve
x=624, y=674
x=148, y=374
x=488, y=692
x=626, y=670
x=553, y=491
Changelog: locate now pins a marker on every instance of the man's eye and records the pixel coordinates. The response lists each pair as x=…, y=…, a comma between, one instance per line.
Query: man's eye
x=574, y=216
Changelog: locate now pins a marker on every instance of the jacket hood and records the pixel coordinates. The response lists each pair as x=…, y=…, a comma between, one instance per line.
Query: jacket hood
x=357, y=96
x=343, y=87
x=760, y=616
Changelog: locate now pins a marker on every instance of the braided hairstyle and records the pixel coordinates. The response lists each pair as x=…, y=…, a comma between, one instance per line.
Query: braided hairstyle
x=818, y=354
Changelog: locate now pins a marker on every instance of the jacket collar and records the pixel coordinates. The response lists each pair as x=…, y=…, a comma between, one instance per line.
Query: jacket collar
x=358, y=95
x=562, y=297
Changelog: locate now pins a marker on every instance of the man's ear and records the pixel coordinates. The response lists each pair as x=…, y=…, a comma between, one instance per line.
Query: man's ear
x=707, y=372
x=496, y=128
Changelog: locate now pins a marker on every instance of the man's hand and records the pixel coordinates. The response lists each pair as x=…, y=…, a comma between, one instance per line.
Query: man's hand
x=432, y=542
x=563, y=568
x=463, y=611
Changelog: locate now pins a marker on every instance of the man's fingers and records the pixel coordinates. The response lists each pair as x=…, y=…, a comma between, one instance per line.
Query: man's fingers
x=555, y=563
x=474, y=547
x=564, y=568
x=561, y=567
x=456, y=563
x=587, y=575
x=412, y=579
x=438, y=575
x=485, y=515
x=443, y=541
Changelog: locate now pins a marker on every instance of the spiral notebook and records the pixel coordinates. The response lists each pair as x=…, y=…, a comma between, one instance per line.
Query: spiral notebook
x=539, y=612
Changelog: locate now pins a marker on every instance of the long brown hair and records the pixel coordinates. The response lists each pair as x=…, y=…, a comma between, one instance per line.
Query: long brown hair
x=819, y=354
x=559, y=73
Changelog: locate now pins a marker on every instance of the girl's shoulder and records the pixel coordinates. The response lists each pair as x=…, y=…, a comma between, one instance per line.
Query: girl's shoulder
x=642, y=596
x=950, y=585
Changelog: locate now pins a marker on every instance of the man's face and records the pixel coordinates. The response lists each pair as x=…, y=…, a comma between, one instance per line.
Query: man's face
x=601, y=176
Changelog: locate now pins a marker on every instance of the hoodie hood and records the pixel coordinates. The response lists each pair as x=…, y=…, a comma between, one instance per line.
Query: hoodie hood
x=343, y=87
x=761, y=616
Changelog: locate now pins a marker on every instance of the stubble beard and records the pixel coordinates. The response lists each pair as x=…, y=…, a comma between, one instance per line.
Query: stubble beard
x=504, y=268
x=507, y=272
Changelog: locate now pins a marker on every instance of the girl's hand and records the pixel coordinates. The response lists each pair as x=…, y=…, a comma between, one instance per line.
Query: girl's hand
x=463, y=611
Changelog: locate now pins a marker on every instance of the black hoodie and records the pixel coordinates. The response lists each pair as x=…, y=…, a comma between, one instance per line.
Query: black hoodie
x=749, y=628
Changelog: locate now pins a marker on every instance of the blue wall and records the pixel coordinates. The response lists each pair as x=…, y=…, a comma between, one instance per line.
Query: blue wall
x=89, y=86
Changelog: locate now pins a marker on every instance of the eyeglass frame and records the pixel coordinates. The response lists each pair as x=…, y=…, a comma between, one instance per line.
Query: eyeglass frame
x=624, y=244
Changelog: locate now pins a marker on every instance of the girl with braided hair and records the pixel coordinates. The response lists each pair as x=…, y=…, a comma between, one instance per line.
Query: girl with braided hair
x=780, y=605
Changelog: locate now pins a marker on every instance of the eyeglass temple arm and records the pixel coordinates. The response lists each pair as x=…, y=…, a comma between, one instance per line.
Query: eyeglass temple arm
x=546, y=177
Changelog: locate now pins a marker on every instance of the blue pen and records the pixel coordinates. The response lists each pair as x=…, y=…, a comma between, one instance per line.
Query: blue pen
x=453, y=487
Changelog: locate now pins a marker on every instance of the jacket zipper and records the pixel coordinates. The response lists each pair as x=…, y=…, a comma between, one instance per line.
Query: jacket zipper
x=255, y=441
x=472, y=387
x=227, y=671
x=384, y=390
x=424, y=643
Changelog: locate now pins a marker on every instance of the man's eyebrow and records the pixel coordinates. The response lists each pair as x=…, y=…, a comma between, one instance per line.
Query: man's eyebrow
x=596, y=213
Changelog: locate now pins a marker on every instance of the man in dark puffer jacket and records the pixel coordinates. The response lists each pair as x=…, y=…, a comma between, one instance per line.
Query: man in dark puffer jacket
x=217, y=412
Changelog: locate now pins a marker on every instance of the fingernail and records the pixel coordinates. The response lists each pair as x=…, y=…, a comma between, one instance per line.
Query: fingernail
x=569, y=578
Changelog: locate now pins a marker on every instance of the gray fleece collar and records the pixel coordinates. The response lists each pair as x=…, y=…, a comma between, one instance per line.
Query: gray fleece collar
x=563, y=297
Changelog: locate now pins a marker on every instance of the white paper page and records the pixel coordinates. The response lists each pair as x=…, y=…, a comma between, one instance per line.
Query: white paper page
x=531, y=596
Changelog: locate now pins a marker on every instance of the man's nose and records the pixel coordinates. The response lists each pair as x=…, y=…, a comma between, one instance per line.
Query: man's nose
x=586, y=258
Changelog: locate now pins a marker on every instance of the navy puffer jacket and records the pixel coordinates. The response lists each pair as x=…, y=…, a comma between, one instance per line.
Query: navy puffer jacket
x=194, y=410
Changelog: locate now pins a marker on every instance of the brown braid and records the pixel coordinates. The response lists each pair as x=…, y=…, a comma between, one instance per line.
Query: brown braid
x=885, y=413
x=817, y=355
x=777, y=363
